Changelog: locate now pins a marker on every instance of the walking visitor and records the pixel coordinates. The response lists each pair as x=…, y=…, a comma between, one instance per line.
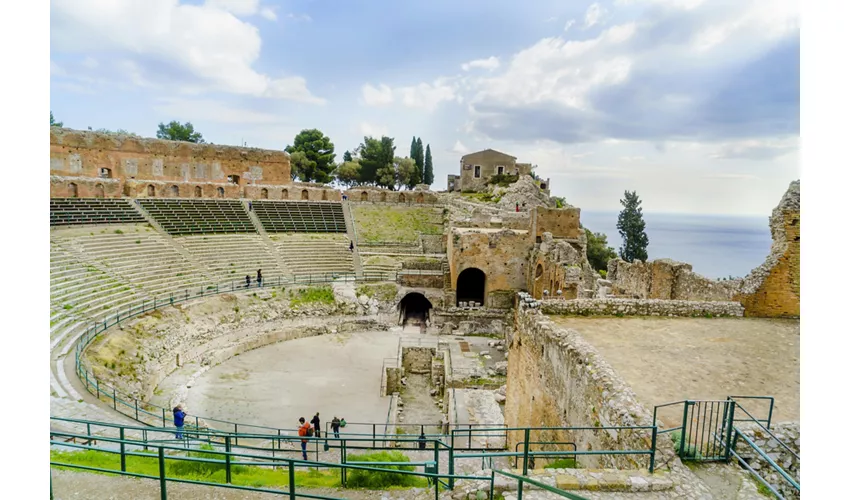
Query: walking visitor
x=259, y=277
x=179, y=416
x=304, y=431
x=247, y=281
x=317, y=425
x=335, y=426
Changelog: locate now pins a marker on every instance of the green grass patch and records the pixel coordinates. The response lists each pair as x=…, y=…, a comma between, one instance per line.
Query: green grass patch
x=562, y=463
x=690, y=450
x=379, y=480
x=396, y=224
x=385, y=292
x=313, y=295
x=503, y=180
x=763, y=490
x=213, y=472
x=485, y=197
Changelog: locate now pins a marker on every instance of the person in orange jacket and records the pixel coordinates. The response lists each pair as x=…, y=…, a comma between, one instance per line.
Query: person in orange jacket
x=304, y=431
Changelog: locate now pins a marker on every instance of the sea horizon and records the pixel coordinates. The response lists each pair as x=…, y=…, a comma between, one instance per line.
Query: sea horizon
x=716, y=246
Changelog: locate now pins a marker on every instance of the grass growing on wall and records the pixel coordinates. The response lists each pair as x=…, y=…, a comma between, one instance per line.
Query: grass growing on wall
x=385, y=292
x=396, y=224
x=313, y=295
x=379, y=480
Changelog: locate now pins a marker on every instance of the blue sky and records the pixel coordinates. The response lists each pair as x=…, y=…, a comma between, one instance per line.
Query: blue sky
x=694, y=104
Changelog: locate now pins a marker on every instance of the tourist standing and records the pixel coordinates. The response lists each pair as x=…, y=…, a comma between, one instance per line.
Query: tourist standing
x=303, y=431
x=259, y=277
x=351, y=246
x=179, y=417
x=317, y=425
x=250, y=206
x=517, y=207
x=335, y=426
x=247, y=281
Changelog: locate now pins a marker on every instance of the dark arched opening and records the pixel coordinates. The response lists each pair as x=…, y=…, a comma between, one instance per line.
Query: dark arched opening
x=401, y=198
x=199, y=193
x=72, y=190
x=98, y=191
x=470, y=286
x=151, y=190
x=364, y=196
x=305, y=195
x=175, y=191
x=264, y=194
x=414, y=309
x=284, y=194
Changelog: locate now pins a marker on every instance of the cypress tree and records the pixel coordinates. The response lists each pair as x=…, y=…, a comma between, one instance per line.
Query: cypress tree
x=428, y=175
x=631, y=227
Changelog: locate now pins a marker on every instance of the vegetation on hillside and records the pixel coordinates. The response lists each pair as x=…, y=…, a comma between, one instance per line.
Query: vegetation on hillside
x=54, y=123
x=312, y=295
x=598, y=251
x=396, y=224
x=384, y=292
x=375, y=480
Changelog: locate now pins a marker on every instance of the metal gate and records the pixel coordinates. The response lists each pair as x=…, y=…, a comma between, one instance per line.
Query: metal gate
x=706, y=429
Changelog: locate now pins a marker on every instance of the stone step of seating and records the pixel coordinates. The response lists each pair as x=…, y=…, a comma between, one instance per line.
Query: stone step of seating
x=192, y=216
x=82, y=211
x=300, y=217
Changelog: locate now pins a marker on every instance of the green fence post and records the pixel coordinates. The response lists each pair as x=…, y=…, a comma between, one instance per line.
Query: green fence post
x=344, y=470
x=97, y=387
x=684, y=430
x=654, y=442
x=492, y=480
x=525, y=456
x=114, y=400
x=51, y=484
x=163, y=417
x=452, y=467
x=291, y=480
x=729, y=430
x=162, y=493
x=123, y=457
x=227, y=459
x=136, y=403
x=236, y=432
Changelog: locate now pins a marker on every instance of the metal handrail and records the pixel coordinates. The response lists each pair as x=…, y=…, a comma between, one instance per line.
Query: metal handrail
x=764, y=456
x=758, y=422
x=524, y=479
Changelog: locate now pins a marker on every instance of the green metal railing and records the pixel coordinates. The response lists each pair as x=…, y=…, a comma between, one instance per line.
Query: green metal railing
x=156, y=415
x=522, y=480
x=782, y=473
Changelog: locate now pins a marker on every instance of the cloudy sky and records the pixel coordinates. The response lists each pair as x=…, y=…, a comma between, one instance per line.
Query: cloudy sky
x=694, y=104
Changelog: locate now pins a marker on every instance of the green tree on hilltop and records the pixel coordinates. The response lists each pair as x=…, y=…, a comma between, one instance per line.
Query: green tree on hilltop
x=405, y=171
x=319, y=153
x=631, y=226
x=347, y=156
x=54, y=123
x=348, y=174
x=175, y=131
x=376, y=161
x=417, y=154
x=428, y=173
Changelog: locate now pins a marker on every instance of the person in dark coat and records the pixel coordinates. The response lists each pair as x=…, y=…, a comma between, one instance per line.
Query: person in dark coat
x=351, y=245
x=421, y=439
x=259, y=277
x=317, y=425
x=247, y=281
x=179, y=417
x=335, y=426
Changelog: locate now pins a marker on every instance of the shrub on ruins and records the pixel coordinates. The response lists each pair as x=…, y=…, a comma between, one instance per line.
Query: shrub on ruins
x=374, y=480
x=54, y=123
x=598, y=251
x=175, y=131
x=631, y=226
x=319, y=153
x=503, y=180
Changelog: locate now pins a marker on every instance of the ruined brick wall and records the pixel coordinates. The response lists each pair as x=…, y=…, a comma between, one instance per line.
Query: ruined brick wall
x=665, y=279
x=72, y=187
x=377, y=195
x=82, y=154
x=417, y=359
x=561, y=265
x=162, y=189
x=561, y=222
x=557, y=379
x=295, y=191
x=413, y=280
x=641, y=307
x=501, y=254
x=773, y=289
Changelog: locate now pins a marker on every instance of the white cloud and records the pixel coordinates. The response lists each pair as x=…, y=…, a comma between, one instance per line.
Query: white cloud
x=213, y=111
x=490, y=63
x=755, y=149
x=372, y=130
x=377, y=96
x=551, y=19
x=630, y=159
x=299, y=17
x=268, y=13
x=581, y=155
x=422, y=96
x=459, y=148
x=738, y=177
x=593, y=15
x=569, y=25
x=90, y=62
x=56, y=70
x=236, y=7
x=192, y=45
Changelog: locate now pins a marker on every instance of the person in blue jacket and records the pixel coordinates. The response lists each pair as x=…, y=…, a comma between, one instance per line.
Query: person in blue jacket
x=179, y=416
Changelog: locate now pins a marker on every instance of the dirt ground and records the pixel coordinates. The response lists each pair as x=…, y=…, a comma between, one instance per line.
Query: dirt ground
x=671, y=359
x=274, y=385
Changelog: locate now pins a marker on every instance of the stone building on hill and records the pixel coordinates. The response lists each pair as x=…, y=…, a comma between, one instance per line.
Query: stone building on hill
x=477, y=169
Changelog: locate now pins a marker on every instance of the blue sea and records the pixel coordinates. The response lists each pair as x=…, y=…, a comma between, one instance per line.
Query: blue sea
x=716, y=246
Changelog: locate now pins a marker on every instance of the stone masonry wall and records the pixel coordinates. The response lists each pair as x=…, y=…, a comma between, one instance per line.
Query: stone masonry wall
x=641, y=307
x=557, y=379
x=789, y=434
x=501, y=255
x=77, y=153
x=773, y=289
x=665, y=279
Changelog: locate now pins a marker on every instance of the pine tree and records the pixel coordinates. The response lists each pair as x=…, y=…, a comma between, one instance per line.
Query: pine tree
x=428, y=174
x=631, y=226
x=347, y=156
